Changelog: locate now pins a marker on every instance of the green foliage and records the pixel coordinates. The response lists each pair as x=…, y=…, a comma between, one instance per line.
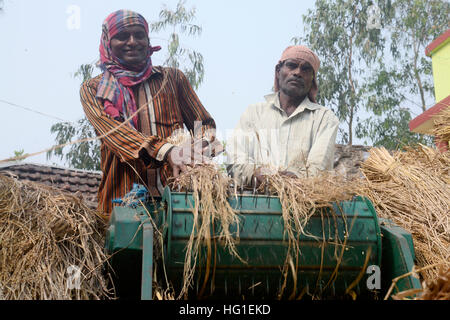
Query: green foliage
x=180, y=22
x=405, y=84
x=391, y=130
x=84, y=155
x=19, y=155
x=337, y=32
x=84, y=72
x=415, y=25
x=381, y=71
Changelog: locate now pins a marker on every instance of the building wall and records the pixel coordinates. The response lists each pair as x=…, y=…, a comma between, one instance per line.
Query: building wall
x=441, y=71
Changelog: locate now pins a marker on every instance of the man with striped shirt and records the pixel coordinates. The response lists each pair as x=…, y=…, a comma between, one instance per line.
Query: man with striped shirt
x=134, y=107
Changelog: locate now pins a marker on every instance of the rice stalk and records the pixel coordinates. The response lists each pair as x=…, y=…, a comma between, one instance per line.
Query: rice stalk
x=442, y=124
x=301, y=198
x=44, y=235
x=210, y=207
x=412, y=189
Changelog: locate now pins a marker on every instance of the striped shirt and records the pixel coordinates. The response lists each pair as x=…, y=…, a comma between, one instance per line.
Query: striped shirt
x=131, y=155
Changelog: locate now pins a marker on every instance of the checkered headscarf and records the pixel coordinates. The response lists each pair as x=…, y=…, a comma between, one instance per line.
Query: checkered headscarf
x=115, y=85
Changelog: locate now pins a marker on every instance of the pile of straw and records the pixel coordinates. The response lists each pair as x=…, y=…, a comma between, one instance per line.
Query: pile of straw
x=436, y=289
x=51, y=245
x=442, y=125
x=412, y=189
x=439, y=289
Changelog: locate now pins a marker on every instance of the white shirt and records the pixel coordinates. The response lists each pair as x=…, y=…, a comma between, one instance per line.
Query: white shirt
x=303, y=143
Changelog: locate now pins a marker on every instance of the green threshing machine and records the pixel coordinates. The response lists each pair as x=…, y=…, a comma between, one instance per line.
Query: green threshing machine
x=375, y=252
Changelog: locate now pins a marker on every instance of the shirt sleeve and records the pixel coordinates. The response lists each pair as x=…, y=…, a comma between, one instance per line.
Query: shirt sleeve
x=321, y=155
x=124, y=141
x=241, y=148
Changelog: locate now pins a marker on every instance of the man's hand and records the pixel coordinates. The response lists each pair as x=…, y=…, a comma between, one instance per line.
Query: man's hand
x=261, y=174
x=258, y=177
x=207, y=149
x=172, y=159
x=288, y=174
x=179, y=157
x=200, y=151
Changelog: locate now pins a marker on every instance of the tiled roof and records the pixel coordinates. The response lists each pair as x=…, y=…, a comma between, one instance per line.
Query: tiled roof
x=71, y=180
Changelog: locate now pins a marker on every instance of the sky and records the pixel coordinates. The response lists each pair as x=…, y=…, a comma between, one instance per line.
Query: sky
x=44, y=42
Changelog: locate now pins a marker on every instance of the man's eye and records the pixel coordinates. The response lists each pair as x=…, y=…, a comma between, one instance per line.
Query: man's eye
x=122, y=36
x=306, y=69
x=140, y=35
x=291, y=65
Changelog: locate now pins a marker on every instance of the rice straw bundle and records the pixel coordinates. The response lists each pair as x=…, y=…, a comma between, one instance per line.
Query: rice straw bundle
x=412, y=189
x=210, y=194
x=439, y=289
x=50, y=244
x=436, y=289
x=442, y=124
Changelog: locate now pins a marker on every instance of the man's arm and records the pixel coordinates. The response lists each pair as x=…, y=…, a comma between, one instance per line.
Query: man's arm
x=240, y=148
x=321, y=155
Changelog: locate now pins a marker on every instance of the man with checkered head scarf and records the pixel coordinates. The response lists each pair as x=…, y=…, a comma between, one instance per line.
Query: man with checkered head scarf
x=135, y=107
x=288, y=132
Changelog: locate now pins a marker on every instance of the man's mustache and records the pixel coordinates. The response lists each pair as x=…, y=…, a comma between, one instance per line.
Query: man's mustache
x=297, y=79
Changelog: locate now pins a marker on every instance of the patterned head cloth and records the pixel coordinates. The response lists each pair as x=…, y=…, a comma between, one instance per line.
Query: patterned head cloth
x=305, y=54
x=115, y=85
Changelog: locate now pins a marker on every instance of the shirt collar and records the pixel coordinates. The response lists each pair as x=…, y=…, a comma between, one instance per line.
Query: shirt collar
x=156, y=69
x=274, y=100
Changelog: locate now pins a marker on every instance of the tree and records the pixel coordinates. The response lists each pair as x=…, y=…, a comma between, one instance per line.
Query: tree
x=180, y=22
x=415, y=25
x=388, y=123
x=409, y=76
x=337, y=31
x=367, y=68
x=86, y=155
x=19, y=155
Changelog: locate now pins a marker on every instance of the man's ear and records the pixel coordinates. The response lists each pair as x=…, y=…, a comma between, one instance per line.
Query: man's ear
x=277, y=68
x=277, y=73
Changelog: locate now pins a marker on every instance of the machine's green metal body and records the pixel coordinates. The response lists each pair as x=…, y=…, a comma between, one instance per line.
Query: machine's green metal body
x=335, y=249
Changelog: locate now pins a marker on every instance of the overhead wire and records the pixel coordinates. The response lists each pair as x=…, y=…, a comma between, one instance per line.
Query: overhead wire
x=34, y=111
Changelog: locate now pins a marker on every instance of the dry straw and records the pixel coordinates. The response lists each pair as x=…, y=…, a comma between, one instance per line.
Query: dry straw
x=210, y=205
x=412, y=189
x=437, y=289
x=51, y=245
x=442, y=124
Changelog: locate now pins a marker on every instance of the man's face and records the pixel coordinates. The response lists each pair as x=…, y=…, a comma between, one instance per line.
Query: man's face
x=295, y=78
x=131, y=46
